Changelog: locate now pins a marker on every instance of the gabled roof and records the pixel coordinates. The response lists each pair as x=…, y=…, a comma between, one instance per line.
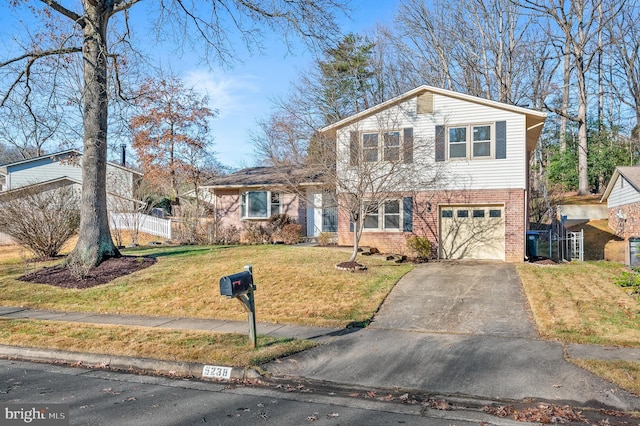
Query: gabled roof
x=534, y=119
x=56, y=183
x=630, y=173
x=40, y=186
x=258, y=177
x=4, y=167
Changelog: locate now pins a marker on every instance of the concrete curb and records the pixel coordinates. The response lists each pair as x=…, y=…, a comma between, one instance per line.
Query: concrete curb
x=121, y=363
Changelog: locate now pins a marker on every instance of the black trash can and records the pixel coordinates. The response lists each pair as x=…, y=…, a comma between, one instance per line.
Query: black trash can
x=532, y=244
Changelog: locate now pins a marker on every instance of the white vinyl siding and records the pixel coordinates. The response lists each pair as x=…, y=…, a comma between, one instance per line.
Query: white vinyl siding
x=467, y=174
x=623, y=193
x=40, y=171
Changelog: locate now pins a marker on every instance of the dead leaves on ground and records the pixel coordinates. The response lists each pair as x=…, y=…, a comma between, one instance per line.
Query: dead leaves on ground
x=542, y=413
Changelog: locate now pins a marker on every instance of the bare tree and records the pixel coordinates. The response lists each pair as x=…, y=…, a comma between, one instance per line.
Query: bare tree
x=374, y=169
x=624, y=33
x=204, y=25
x=484, y=56
x=580, y=22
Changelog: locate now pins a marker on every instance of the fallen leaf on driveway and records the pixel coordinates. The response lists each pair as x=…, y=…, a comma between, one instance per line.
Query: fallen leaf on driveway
x=441, y=404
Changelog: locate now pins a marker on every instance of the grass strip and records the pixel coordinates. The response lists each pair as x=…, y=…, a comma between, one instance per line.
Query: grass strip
x=143, y=342
x=625, y=374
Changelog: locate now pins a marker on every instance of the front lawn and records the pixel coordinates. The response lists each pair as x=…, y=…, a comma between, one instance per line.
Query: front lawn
x=581, y=303
x=295, y=285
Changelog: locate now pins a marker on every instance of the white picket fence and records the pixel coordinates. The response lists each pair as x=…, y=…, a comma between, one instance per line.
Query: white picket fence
x=142, y=222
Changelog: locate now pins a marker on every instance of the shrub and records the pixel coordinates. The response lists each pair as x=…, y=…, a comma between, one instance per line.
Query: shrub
x=277, y=222
x=291, y=233
x=229, y=235
x=41, y=221
x=421, y=246
x=326, y=238
x=254, y=233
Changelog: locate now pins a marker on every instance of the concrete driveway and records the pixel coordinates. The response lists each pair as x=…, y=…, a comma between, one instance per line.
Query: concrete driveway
x=457, y=328
x=461, y=298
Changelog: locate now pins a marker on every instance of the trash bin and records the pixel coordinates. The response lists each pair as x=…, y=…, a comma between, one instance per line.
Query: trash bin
x=532, y=244
x=634, y=251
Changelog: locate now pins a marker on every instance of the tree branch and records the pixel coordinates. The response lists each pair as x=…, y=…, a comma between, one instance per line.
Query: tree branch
x=32, y=58
x=123, y=5
x=64, y=11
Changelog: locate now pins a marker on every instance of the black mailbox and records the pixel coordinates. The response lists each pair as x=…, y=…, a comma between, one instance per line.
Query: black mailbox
x=236, y=284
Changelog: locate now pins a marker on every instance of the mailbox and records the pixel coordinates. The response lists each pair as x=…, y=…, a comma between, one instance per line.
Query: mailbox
x=236, y=284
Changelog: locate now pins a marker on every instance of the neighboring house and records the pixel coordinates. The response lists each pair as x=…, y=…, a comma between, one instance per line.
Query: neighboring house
x=623, y=201
x=64, y=168
x=255, y=194
x=478, y=209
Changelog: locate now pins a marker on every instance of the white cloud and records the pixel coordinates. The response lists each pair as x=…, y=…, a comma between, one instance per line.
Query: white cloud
x=227, y=93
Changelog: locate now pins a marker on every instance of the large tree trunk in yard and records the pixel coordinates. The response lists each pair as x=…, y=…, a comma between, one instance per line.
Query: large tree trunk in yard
x=94, y=242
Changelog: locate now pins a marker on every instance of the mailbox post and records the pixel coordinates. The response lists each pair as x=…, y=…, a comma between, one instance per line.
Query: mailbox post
x=241, y=287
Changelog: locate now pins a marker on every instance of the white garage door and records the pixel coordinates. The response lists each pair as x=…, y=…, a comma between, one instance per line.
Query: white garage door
x=472, y=232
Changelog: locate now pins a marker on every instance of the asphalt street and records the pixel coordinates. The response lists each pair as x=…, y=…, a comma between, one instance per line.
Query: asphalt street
x=97, y=398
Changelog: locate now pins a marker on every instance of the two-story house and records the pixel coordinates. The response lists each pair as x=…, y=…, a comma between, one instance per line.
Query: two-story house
x=467, y=166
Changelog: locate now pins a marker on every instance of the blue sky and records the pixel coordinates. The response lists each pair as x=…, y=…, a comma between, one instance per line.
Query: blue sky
x=242, y=94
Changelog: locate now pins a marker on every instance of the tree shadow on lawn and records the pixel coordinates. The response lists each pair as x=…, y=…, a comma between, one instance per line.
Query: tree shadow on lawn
x=595, y=240
x=186, y=250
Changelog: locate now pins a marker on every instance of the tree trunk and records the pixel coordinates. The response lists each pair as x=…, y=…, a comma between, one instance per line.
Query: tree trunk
x=566, y=80
x=357, y=231
x=583, y=147
x=94, y=241
x=354, y=254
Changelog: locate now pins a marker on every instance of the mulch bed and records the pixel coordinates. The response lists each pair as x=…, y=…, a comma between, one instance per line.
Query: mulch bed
x=108, y=270
x=350, y=266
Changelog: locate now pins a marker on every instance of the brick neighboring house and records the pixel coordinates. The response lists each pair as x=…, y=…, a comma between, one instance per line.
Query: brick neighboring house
x=482, y=146
x=253, y=195
x=623, y=201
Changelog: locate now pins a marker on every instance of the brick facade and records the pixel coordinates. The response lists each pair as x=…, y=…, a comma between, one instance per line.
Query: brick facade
x=625, y=220
x=425, y=220
x=228, y=209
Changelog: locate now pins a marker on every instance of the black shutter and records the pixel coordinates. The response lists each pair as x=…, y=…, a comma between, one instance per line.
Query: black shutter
x=440, y=145
x=501, y=139
x=407, y=216
x=354, y=148
x=407, y=145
